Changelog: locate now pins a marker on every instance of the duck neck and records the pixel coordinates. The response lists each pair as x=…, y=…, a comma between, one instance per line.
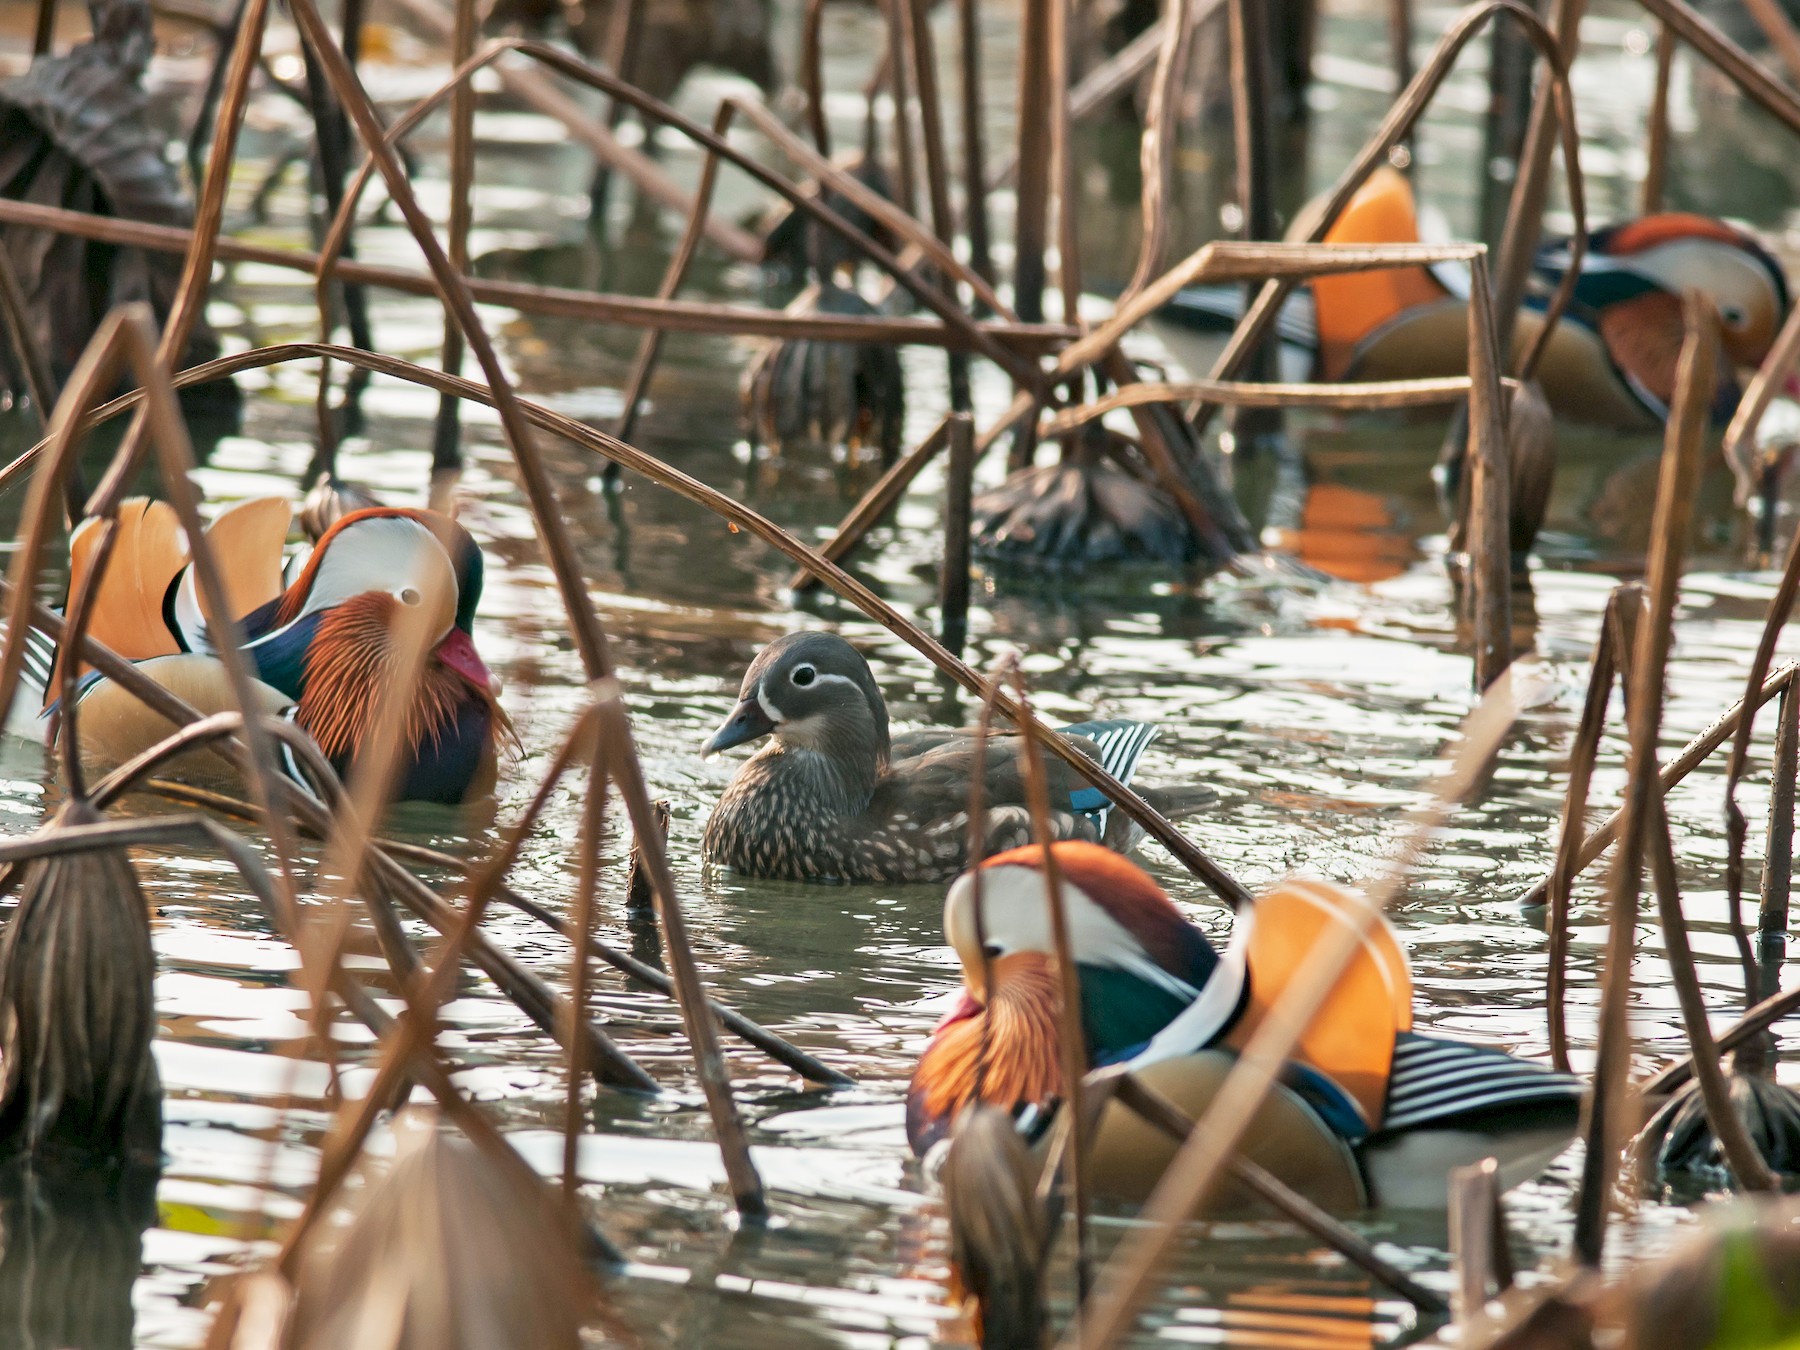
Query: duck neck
x=1005, y=1055
x=840, y=758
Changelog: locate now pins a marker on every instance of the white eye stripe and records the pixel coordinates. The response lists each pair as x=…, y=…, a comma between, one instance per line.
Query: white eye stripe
x=769, y=709
x=822, y=678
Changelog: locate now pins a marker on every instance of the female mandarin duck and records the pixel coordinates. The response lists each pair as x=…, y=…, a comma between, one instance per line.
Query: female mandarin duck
x=1369, y=1112
x=319, y=647
x=1611, y=361
x=835, y=797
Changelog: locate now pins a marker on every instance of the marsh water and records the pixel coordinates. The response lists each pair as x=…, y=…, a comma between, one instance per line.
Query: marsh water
x=1315, y=709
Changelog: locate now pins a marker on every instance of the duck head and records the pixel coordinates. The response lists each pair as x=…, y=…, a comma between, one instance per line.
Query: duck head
x=1631, y=286
x=1139, y=961
x=810, y=691
x=332, y=644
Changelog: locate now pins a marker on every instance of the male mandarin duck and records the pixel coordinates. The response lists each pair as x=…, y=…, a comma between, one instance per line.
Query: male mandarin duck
x=835, y=797
x=1369, y=1111
x=319, y=645
x=1612, y=359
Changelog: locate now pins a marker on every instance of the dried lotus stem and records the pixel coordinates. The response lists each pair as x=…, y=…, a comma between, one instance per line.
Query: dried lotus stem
x=1607, y=1128
x=1072, y=1039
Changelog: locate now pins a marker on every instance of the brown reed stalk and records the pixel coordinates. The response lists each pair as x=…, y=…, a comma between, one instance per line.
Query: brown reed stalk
x=1072, y=1040
x=1062, y=160
x=1691, y=756
x=1728, y=1127
x=1252, y=150
x=34, y=366
x=1582, y=754
x=922, y=53
x=1156, y=149
x=407, y=1046
x=959, y=491
x=906, y=172
x=1111, y=78
x=1656, y=168
x=581, y=933
x=1158, y=1111
x=1031, y=195
x=812, y=75
x=1525, y=211
x=645, y=174
x=1395, y=127
x=1778, y=848
x=715, y=1078
x=974, y=141
x=875, y=504
x=1488, y=513
x=643, y=365
x=372, y=781
x=1400, y=40
x=1770, y=377
x=777, y=1048
x=1478, y=1237
x=1739, y=66
x=1780, y=610
x=847, y=586
x=977, y=848
x=196, y=275
x=600, y=307
x=936, y=241
x=1780, y=32
x=446, y=435
x=1129, y=1275
x=43, y=31
x=525, y=988
x=1670, y=529
x=1764, y=1015
x=1357, y=396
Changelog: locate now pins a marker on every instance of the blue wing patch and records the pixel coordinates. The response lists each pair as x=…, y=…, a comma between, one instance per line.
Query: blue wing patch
x=1121, y=743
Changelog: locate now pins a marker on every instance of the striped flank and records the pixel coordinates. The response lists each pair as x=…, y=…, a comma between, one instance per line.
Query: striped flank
x=1121, y=744
x=1436, y=1081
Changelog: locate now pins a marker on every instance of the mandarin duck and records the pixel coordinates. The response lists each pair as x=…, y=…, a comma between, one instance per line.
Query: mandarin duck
x=835, y=797
x=1611, y=361
x=1369, y=1112
x=318, y=643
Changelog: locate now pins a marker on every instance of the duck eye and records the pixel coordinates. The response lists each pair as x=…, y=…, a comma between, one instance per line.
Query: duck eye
x=803, y=675
x=1732, y=316
x=993, y=951
x=409, y=596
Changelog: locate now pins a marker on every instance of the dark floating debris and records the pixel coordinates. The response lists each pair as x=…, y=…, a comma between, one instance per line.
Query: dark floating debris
x=78, y=1084
x=1083, y=510
x=807, y=392
x=1679, y=1138
x=76, y=132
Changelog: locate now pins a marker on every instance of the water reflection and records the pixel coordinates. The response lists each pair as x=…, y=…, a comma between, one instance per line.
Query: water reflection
x=71, y=1250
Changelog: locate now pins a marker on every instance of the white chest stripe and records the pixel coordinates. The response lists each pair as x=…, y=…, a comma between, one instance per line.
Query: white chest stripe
x=1203, y=1019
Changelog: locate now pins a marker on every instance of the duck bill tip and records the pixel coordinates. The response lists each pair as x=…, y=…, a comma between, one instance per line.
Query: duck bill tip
x=747, y=722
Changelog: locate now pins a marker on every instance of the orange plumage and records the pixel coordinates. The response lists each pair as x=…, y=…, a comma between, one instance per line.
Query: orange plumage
x=349, y=663
x=1006, y=1051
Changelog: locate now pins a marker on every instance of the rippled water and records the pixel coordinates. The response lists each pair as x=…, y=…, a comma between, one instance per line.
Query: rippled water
x=1315, y=711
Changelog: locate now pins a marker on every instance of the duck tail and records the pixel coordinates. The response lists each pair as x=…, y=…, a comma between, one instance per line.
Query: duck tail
x=126, y=613
x=248, y=540
x=1353, y=305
